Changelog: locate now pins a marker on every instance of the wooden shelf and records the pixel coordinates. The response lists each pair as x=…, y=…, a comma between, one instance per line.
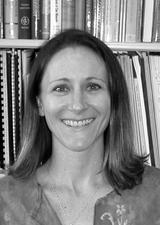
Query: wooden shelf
x=21, y=43
x=120, y=46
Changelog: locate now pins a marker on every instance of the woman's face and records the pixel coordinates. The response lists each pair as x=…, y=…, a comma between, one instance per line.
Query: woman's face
x=75, y=99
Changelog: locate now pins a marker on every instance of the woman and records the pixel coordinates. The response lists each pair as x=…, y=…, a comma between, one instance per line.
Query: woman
x=77, y=163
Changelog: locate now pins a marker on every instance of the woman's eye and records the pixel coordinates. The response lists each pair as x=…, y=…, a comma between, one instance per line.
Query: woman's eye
x=93, y=87
x=61, y=89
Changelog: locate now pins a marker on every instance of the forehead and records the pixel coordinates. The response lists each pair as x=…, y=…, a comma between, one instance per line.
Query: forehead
x=75, y=60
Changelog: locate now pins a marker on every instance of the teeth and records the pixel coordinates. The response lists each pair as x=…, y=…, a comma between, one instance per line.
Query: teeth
x=77, y=123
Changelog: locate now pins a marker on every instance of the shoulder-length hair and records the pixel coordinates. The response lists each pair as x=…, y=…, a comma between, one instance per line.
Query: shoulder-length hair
x=123, y=167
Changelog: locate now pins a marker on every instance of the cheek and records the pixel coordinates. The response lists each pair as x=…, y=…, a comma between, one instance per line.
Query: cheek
x=103, y=105
x=52, y=105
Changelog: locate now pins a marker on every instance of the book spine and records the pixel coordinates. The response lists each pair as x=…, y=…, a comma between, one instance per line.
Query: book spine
x=100, y=19
x=13, y=103
x=122, y=25
x=94, y=17
x=26, y=65
x=80, y=14
x=2, y=120
x=1, y=19
x=148, y=21
x=156, y=22
x=24, y=18
x=20, y=90
x=148, y=98
x=155, y=82
x=139, y=20
x=130, y=32
x=55, y=17
x=11, y=19
x=46, y=19
x=16, y=103
x=141, y=106
x=126, y=64
x=6, y=112
x=9, y=90
x=36, y=19
x=89, y=16
x=68, y=14
x=112, y=21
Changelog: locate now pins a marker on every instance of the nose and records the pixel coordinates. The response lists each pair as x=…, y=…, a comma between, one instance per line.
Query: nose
x=77, y=101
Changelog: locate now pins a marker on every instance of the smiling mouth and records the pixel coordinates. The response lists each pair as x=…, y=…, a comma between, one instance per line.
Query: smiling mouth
x=77, y=123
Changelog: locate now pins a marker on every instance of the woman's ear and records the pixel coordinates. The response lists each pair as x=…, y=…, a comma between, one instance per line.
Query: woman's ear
x=40, y=107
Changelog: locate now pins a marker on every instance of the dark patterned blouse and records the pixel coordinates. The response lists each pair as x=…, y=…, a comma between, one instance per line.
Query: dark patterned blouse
x=23, y=203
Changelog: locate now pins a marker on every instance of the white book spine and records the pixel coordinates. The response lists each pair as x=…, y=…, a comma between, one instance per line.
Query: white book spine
x=148, y=20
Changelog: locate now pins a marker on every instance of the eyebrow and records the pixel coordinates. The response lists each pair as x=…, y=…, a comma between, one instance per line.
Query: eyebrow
x=68, y=80
x=61, y=79
x=95, y=78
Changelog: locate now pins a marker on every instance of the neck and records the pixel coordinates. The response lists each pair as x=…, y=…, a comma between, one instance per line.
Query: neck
x=78, y=168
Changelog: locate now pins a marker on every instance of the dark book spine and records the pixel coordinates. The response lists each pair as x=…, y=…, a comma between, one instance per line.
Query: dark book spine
x=24, y=19
x=17, y=105
x=9, y=90
x=2, y=114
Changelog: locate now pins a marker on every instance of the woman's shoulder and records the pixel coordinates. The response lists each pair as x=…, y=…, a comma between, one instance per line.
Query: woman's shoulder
x=10, y=184
x=139, y=205
x=150, y=185
x=151, y=177
x=18, y=200
x=14, y=190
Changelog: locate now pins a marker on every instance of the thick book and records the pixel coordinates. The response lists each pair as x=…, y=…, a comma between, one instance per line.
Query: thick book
x=126, y=63
x=142, y=119
x=24, y=19
x=68, y=14
x=36, y=24
x=148, y=20
x=149, y=103
x=154, y=61
x=112, y=20
x=133, y=26
x=11, y=19
x=100, y=19
x=89, y=16
x=55, y=17
x=45, y=15
x=80, y=14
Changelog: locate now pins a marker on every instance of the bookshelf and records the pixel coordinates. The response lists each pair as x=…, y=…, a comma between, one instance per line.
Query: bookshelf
x=120, y=47
x=115, y=46
x=102, y=30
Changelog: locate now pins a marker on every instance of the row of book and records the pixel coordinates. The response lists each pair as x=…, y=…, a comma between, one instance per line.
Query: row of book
x=14, y=67
x=142, y=74
x=109, y=20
